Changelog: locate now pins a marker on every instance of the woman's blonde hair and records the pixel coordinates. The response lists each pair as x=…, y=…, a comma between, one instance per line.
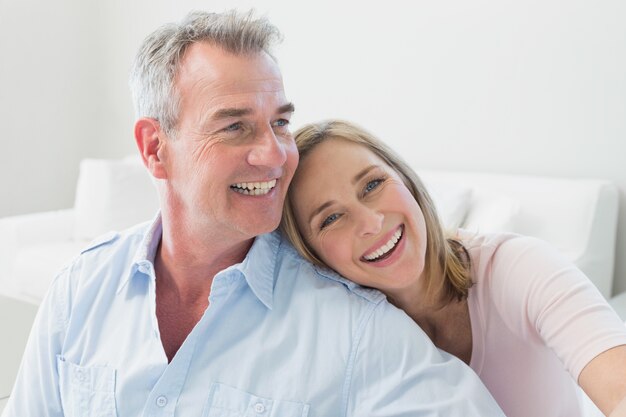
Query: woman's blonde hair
x=445, y=257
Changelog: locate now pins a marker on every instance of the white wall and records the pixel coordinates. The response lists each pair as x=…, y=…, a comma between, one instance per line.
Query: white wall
x=49, y=106
x=535, y=87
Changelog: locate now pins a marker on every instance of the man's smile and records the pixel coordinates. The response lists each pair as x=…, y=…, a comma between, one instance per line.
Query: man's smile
x=254, y=188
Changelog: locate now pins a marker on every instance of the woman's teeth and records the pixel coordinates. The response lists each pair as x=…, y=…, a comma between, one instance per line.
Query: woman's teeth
x=254, y=188
x=386, y=247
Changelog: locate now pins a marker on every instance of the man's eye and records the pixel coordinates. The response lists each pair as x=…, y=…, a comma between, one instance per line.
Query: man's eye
x=281, y=123
x=329, y=220
x=234, y=127
x=370, y=186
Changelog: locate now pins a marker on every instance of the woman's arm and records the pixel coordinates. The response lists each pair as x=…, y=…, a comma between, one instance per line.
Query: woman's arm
x=620, y=410
x=553, y=297
x=604, y=381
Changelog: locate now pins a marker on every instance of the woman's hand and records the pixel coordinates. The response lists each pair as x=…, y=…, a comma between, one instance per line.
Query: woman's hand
x=604, y=381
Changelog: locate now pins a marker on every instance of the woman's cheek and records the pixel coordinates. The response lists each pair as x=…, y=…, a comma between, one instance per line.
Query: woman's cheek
x=339, y=253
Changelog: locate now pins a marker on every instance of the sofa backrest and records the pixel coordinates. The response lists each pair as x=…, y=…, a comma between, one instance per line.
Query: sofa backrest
x=577, y=216
x=112, y=194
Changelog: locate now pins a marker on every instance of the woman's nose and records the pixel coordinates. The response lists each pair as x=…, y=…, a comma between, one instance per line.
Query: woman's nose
x=370, y=221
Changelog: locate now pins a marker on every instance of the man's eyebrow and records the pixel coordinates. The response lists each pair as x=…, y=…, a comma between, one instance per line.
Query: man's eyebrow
x=319, y=210
x=286, y=108
x=363, y=173
x=239, y=112
x=231, y=112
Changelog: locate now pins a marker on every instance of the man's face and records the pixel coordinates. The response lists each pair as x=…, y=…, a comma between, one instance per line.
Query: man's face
x=233, y=157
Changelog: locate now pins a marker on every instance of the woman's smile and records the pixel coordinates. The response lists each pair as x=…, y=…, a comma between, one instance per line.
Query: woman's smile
x=384, y=251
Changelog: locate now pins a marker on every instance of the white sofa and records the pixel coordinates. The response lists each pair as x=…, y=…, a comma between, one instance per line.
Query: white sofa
x=110, y=195
x=577, y=216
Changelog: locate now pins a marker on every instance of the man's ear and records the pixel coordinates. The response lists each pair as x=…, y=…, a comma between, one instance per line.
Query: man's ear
x=150, y=141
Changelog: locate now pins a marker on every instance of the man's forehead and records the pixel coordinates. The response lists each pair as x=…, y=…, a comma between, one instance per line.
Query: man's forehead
x=211, y=80
x=211, y=75
x=212, y=63
x=234, y=86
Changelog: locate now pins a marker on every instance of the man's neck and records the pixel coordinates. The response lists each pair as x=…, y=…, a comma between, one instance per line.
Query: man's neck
x=190, y=269
x=188, y=259
x=185, y=265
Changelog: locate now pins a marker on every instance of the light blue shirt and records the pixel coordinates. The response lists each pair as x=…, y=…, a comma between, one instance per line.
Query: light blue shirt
x=280, y=338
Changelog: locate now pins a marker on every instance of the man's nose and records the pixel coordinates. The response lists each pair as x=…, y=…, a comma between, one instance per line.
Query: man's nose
x=370, y=221
x=268, y=150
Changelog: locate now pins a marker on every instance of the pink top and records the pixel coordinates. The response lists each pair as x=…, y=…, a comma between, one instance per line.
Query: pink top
x=536, y=322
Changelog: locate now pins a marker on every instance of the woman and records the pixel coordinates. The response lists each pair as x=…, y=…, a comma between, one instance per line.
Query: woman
x=527, y=321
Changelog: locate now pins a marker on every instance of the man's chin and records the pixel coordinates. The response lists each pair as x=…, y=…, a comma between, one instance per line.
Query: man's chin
x=268, y=229
x=260, y=228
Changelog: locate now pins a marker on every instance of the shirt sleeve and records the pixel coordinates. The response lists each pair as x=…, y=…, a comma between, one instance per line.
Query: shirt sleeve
x=539, y=293
x=36, y=389
x=397, y=371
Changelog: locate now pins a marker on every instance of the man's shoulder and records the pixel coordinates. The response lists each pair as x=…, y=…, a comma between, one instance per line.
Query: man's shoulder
x=293, y=269
x=115, y=241
x=301, y=286
x=97, y=271
x=103, y=240
x=108, y=255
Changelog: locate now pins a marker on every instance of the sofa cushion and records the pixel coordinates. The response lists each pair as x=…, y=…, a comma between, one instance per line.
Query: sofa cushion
x=112, y=195
x=493, y=215
x=452, y=201
x=37, y=265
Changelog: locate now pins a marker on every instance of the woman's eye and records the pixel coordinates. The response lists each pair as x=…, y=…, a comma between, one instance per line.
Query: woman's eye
x=370, y=186
x=329, y=220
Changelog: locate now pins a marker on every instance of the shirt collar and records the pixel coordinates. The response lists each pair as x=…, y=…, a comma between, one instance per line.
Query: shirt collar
x=143, y=261
x=257, y=267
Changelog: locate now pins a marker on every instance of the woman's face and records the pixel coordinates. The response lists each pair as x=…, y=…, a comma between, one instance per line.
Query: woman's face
x=359, y=217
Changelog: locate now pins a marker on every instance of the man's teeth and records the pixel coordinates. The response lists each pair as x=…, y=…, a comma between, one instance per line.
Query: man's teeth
x=254, y=188
x=386, y=247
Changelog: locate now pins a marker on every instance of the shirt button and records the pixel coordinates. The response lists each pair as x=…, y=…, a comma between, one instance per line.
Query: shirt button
x=161, y=401
x=259, y=408
x=80, y=376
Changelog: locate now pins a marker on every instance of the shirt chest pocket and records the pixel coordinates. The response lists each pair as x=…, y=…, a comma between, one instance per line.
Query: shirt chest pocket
x=86, y=391
x=226, y=401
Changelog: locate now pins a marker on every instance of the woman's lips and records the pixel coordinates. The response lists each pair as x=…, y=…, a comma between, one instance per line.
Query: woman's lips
x=385, y=247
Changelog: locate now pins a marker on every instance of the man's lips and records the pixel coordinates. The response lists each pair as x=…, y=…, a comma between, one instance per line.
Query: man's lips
x=254, y=188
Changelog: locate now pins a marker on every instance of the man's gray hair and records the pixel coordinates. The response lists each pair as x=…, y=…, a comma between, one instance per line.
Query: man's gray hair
x=159, y=57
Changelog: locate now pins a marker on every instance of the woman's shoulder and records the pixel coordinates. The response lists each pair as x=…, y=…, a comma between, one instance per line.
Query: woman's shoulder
x=509, y=268
x=481, y=241
x=502, y=248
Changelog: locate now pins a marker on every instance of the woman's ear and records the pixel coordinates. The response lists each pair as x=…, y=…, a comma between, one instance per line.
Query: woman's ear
x=150, y=141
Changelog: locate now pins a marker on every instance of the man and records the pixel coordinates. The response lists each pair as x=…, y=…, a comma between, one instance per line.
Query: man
x=201, y=312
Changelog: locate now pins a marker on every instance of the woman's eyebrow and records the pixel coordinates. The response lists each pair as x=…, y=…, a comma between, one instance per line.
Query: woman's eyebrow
x=356, y=179
x=320, y=209
x=363, y=173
